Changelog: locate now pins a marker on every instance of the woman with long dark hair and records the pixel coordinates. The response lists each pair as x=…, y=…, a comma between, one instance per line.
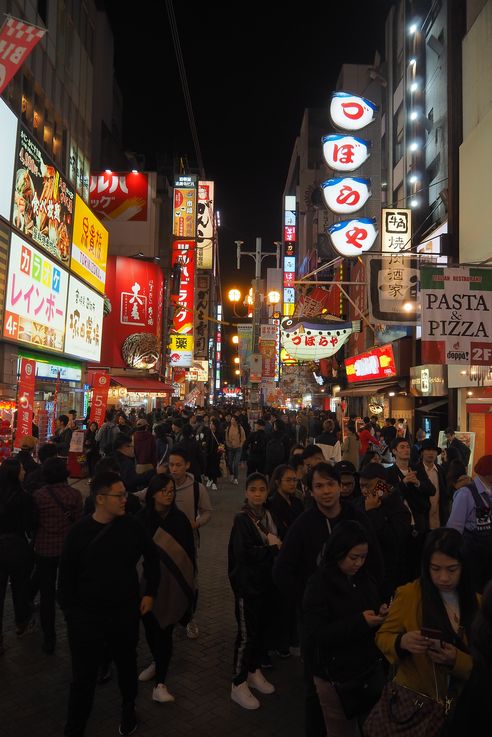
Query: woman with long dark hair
x=427, y=632
x=16, y=524
x=341, y=610
x=172, y=535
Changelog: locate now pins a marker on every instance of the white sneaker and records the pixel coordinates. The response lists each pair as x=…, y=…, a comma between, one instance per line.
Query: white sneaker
x=192, y=630
x=209, y=483
x=258, y=681
x=243, y=696
x=213, y=487
x=148, y=673
x=162, y=695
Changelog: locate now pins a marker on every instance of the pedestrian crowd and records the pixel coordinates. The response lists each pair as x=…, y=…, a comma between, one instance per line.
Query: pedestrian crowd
x=365, y=553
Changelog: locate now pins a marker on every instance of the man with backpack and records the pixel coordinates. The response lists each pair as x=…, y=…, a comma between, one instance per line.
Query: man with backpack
x=191, y=498
x=255, y=447
x=107, y=433
x=471, y=514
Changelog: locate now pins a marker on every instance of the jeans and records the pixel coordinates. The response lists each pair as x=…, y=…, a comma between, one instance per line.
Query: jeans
x=160, y=642
x=16, y=564
x=47, y=569
x=233, y=458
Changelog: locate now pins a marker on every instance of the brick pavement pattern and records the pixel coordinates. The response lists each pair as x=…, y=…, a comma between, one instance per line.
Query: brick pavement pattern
x=34, y=686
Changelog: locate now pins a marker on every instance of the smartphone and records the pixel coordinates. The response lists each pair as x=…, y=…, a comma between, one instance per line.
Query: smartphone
x=434, y=637
x=381, y=488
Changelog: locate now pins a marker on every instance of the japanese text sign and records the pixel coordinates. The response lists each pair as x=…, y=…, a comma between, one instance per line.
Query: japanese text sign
x=181, y=347
x=378, y=363
x=201, y=316
x=345, y=153
x=120, y=196
x=392, y=280
x=44, y=202
x=184, y=254
x=346, y=194
x=8, y=140
x=205, y=226
x=184, y=212
x=351, y=112
x=396, y=230
x=353, y=237
x=456, y=315
x=100, y=389
x=25, y=399
x=17, y=40
x=36, y=297
x=89, y=246
x=83, y=331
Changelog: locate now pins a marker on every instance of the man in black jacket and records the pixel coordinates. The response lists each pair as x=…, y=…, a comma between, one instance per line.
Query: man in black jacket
x=300, y=552
x=98, y=591
x=62, y=436
x=413, y=484
x=439, y=503
x=124, y=457
x=454, y=442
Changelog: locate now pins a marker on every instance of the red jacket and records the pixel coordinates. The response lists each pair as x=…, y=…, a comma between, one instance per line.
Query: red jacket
x=145, y=447
x=365, y=439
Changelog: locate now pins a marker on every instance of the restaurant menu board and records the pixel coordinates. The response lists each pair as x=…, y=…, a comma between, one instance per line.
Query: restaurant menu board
x=44, y=202
x=36, y=298
x=85, y=312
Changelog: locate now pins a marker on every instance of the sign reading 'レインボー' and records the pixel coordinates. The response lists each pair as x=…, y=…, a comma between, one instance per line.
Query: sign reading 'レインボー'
x=89, y=246
x=83, y=333
x=456, y=315
x=36, y=297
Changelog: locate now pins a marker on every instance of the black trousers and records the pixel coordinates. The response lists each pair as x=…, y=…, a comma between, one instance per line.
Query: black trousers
x=47, y=570
x=160, y=642
x=89, y=636
x=253, y=617
x=16, y=564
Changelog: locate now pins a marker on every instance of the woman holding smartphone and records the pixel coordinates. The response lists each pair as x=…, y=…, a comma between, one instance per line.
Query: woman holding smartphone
x=427, y=631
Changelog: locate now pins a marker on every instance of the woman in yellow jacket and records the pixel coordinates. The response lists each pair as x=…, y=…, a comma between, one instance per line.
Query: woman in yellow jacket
x=427, y=630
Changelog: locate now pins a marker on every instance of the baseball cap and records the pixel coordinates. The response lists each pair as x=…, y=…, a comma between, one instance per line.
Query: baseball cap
x=345, y=467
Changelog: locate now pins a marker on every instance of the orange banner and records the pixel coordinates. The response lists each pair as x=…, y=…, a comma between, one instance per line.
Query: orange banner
x=100, y=388
x=25, y=400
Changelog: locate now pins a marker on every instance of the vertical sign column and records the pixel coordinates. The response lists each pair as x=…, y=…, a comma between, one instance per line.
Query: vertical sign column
x=100, y=389
x=25, y=399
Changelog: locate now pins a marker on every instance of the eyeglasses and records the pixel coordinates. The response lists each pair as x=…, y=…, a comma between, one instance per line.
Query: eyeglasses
x=123, y=495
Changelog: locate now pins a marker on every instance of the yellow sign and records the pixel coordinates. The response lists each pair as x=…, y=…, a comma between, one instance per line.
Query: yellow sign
x=89, y=246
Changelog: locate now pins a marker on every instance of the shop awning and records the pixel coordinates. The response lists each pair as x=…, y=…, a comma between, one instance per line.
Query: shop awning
x=366, y=390
x=141, y=384
x=431, y=406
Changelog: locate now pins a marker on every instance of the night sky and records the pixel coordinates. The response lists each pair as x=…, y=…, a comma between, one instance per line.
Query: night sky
x=252, y=70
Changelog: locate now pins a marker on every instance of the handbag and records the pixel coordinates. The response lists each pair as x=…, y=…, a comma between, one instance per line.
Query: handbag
x=359, y=694
x=402, y=712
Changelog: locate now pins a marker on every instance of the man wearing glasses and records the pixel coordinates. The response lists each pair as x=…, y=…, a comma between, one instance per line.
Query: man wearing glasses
x=99, y=593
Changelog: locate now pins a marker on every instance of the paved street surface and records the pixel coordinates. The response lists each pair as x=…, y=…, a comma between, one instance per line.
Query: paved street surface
x=34, y=686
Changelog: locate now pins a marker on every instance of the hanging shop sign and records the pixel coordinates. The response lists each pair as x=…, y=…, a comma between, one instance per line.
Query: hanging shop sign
x=205, y=225
x=17, y=40
x=25, y=399
x=198, y=371
x=100, y=388
x=309, y=339
x=84, y=327
x=56, y=370
x=346, y=194
x=353, y=237
x=345, y=153
x=183, y=253
x=89, y=246
x=132, y=329
x=201, y=317
x=8, y=139
x=43, y=206
x=184, y=212
x=378, y=363
x=351, y=112
x=392, y=282
x=396, y=230
x=36, y=297
x=268, y=352
x=456, y=315
x=121, y=196
x=428, y=381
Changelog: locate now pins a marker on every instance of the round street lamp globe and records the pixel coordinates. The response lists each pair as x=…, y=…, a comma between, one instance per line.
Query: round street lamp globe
x=234, y=295
x=235, y=339
x=236, y=359
x=274, y=297
x=237, y=372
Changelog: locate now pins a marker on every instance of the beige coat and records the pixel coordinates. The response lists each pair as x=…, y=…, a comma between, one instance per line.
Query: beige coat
x=350, y=449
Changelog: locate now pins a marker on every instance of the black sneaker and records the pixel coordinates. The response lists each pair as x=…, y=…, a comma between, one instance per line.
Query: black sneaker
x=128, y=724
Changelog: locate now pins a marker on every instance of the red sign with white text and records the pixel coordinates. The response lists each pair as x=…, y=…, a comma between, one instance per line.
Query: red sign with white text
x=25, y=400
x=135, y=290
x=119, y=196
x=17, y=40
x=100, y=388
x=378, y=363
x=184, y=253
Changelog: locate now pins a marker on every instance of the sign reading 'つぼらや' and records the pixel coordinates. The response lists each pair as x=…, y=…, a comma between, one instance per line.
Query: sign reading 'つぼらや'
x=456, y=315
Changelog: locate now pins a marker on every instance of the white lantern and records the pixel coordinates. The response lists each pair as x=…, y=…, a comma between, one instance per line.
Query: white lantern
x=353, y=237
x=351, y=112
x=345, y=153
x=347, y=194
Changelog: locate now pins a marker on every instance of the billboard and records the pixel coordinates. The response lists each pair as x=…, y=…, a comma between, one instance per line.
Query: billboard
x=184, y=254
x=205, y=225
x=89, y=246
x=184, y=212
x=119, y=196
x=378, y=363
x=84, y=326
x=44, y=202
x=36, y=297
x=8, y=139
x=132, y=330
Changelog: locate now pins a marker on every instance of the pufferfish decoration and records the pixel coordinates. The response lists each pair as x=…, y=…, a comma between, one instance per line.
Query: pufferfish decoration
x=310, y=339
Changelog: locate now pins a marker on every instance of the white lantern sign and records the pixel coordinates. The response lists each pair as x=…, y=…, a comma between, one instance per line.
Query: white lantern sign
x=347, y=194
x=353, y=237
x=345, y=153
x=351, y=112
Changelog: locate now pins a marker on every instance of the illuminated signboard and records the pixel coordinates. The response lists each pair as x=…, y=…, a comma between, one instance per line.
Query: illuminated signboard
x=184, y=212
x=36, y=298
x=89, y=246
x=121, y=196
x=182, y=327
x=205, y=225
x=8, y=139
x=345, y=153
x=353, y=237
x=378, y=363
x=346, y=194
x=83, y=331
x=396, y=230
x=351, y=112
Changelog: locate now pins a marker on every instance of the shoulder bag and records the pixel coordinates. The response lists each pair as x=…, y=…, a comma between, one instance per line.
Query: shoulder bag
x=359, y=694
